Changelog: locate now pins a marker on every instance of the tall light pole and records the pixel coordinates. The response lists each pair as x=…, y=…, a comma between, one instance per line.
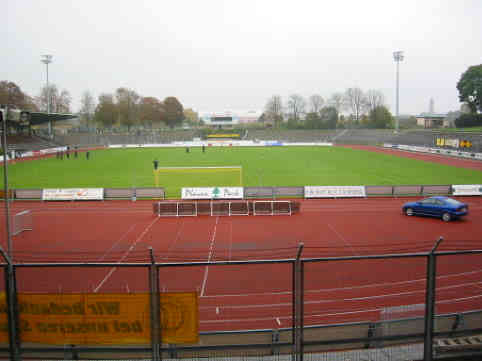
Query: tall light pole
x=47, y=59
x=398, y=57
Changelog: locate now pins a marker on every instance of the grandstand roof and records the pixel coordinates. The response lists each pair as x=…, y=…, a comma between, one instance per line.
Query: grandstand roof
x=37, y=118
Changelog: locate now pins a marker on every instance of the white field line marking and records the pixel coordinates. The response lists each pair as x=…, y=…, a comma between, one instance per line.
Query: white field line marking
x=125, y=255
x=342, y=238
x=211, y=249
x=344, y=288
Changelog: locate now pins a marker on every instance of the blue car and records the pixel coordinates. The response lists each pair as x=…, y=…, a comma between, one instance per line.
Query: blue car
x=443, y=207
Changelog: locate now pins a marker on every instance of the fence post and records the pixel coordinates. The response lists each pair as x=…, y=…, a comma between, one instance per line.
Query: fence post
x=298, y=306
x=154, y=308
x=430, y=302
x=12, y=307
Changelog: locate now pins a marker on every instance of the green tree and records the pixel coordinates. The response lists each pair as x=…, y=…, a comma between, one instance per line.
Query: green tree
x=150, y=111
x=313, y=121
x=380, y=117
x=174, y=111
x=470, y=88
x=127, y=106
x=329, y=117
x=106, y=111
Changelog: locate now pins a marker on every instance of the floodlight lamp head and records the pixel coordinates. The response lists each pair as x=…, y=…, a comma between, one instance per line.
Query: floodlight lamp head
x=46, y=59
x=398, y=55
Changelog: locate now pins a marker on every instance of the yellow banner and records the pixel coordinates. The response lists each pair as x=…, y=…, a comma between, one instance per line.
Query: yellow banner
x=108, y=319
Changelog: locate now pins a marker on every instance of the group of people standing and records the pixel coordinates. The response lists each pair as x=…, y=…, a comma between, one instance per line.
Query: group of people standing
x=67, y=152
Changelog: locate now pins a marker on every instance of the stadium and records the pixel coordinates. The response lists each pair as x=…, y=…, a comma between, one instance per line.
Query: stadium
x=280, y=244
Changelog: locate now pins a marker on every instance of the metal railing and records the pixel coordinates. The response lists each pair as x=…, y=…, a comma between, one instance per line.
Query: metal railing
x=295, y=341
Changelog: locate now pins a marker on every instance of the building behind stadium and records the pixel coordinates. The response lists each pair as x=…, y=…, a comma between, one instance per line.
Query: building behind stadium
x=230, y=118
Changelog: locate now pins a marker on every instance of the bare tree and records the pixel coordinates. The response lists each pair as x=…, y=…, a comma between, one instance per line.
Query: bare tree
x=316, y=103
x=59, y=102
x=356, y=101
x=337, y=101
x=374, y=99
x=296, y=106
x=87, y=107
x=63, y=102
x=274, y=109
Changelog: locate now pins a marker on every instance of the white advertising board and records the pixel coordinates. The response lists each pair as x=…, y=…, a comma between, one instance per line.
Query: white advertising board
x=213, y=193
x=72, y=194
x=467, y=189
x=334, y=191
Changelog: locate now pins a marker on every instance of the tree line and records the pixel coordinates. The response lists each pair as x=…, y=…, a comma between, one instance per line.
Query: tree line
x=125, y=107
x=367, y=109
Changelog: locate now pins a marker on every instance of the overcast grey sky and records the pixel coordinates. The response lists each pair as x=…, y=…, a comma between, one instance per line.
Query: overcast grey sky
x=234, y=54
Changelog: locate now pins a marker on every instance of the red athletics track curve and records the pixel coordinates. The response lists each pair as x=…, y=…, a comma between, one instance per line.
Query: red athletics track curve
x=257, y=296
x=428, y=157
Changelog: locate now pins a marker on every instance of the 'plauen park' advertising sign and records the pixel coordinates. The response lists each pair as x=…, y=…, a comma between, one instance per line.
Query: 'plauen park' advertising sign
x=213, y=193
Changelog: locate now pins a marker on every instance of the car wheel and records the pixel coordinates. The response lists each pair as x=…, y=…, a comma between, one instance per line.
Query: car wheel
x=409, y=212
x=446, y=217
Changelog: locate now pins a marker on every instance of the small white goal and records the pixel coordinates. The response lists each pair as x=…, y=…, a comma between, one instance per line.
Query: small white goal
x=22, y=221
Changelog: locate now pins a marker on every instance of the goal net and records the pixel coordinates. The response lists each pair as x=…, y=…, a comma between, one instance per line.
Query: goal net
x=21, y=221
x=174, y=178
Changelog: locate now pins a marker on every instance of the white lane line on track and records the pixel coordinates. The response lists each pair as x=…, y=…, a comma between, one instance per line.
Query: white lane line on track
x=288, y=292
x=96, y=289
x=326, y=314
x=325, y=301
x=116, y=243
x=211, y=249
x=342, y=238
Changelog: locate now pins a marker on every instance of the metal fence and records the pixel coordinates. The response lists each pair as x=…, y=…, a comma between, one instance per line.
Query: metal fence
x=396, y=329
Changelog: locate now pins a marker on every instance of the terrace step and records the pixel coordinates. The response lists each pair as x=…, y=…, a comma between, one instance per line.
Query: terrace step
x=459, y=344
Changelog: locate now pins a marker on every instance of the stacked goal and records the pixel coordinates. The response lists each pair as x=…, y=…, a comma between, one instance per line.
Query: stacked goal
x=272, y=208
x=221, y=208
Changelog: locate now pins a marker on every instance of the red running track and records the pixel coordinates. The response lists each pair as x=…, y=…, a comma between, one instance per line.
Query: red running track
x=257, y=296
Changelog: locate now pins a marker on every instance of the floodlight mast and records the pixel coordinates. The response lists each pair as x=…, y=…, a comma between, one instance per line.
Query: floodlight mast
x=398, y=57
x=47, y=59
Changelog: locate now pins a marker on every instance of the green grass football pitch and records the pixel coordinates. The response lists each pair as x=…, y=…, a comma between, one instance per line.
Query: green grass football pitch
x=261, y=166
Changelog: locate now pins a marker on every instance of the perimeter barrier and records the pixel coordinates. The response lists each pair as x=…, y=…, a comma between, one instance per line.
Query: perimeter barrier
x=253, y=192
x=41, y=319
